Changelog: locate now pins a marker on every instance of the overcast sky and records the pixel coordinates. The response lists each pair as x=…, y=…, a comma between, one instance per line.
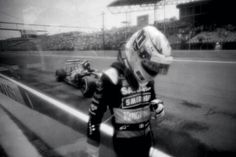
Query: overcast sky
x=82, y=13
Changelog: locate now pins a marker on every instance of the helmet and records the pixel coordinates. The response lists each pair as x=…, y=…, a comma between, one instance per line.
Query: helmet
x=86, y=64
x=148, y=53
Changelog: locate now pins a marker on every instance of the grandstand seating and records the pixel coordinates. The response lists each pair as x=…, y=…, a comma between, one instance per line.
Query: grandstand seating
x=213, y=37
x=179, y=37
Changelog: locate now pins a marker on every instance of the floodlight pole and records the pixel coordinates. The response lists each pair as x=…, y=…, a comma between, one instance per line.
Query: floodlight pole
x=155, y=7
x=103, y=29
x=126, y=26
x=164, y=16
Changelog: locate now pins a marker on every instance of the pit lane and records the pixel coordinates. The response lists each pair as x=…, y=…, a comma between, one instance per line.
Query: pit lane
x=199, y=99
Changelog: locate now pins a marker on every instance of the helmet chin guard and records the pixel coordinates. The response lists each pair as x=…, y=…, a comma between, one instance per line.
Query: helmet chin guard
x=148, y=53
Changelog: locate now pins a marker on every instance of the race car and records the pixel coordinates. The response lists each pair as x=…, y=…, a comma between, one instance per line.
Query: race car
x=78, y=73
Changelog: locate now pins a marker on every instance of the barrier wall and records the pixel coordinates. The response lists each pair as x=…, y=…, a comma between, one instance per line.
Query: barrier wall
x=52, y=60
x=225, y=55
x=194, y=54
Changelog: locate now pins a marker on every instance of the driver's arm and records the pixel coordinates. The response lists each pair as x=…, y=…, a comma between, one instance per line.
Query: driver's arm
x=96, y=111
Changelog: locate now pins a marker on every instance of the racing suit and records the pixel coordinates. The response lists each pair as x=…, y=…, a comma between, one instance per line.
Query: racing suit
x=130, y=109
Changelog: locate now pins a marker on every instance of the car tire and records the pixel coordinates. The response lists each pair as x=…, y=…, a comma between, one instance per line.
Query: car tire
x=60, y=75
x=88, y=86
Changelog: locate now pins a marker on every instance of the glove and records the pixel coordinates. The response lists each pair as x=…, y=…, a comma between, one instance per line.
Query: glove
x=157, y=108
x=92, y=150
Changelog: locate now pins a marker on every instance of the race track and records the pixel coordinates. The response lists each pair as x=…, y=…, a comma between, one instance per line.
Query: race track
x=199, y=95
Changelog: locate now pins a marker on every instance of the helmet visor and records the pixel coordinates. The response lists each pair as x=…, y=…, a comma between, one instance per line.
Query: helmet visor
x=154, y=68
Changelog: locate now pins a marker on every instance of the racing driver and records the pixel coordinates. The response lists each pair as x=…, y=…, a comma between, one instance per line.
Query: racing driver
x=127, y=90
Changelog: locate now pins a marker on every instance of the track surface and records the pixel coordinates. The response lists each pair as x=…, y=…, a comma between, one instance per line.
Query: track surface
x=199, y=99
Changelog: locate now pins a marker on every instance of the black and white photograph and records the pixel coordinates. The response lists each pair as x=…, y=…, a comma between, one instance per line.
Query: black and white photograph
x=117, y=78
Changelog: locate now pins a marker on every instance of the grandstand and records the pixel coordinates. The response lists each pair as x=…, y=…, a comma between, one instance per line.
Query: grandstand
x=197, y=28
x=211, y=23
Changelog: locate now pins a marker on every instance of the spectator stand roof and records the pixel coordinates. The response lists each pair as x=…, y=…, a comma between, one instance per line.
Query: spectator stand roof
x=123, y=6
x=132, y=2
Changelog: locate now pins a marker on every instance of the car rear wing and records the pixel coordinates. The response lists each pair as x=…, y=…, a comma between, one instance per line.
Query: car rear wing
x=72, y=61
x=75, y=60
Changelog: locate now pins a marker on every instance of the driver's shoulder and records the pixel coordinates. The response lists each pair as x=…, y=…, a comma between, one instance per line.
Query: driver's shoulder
x=112, y=74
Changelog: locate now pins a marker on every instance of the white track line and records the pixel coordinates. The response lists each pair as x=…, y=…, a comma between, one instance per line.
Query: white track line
x=110, y=57
x=107, y=129
x=175, y=60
